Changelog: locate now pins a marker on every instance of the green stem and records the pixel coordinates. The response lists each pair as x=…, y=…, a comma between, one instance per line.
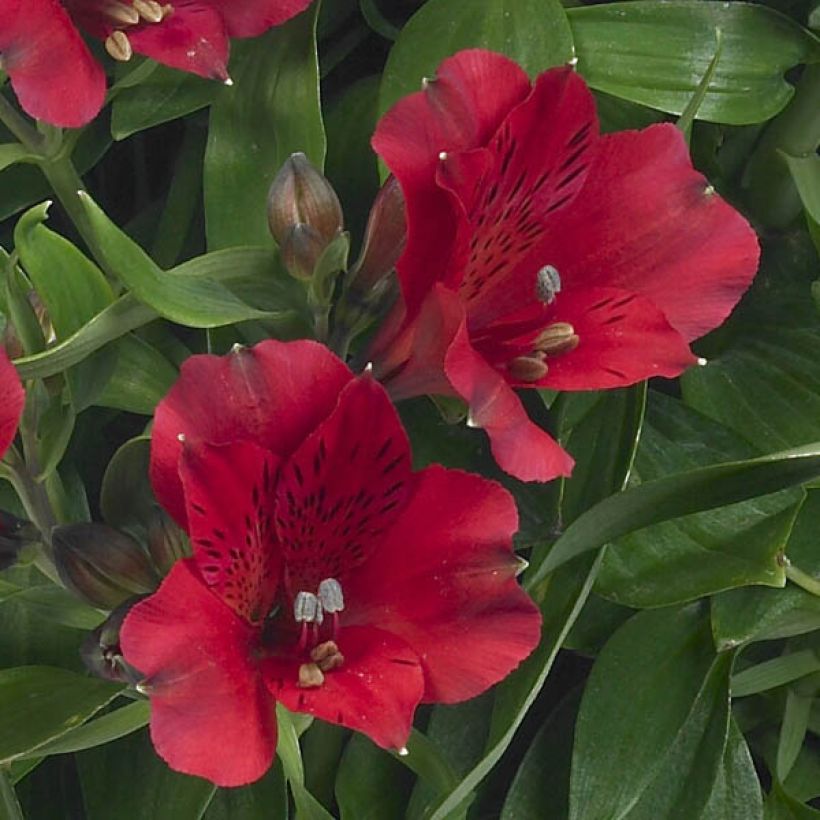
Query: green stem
x=8, y=798
x=18, y=126
x=803, y=579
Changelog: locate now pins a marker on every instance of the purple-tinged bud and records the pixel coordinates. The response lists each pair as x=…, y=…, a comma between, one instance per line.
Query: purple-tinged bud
x=102, y=565
x=301, y=251
x=384, y=237
x=167, y=542
x=301, y=195
x=100, y=651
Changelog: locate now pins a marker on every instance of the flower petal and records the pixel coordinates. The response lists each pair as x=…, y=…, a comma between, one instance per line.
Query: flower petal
x=452, y=596
x=211, y=715
x=646, y=221
x=12, y=400
x=273, y=394
x=375, y=691
x=192, y=38
x=52, y=71
x=249, y=18
x=624, y=338
x=459, y=110
x=230, y=502
x=342, y=488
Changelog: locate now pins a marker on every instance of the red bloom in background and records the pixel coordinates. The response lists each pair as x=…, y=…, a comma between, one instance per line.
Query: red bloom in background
x=55, y=76
x=325, y=573
x=12, y=400
x=540, y=254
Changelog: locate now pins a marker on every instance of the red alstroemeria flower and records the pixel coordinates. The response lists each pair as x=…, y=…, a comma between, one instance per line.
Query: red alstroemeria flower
x=540, y=254
x=12, y=400
x=326, y=574
x=55, y=76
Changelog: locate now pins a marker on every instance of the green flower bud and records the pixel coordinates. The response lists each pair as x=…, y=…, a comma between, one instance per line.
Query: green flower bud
x=167, y=542
x=101, y=565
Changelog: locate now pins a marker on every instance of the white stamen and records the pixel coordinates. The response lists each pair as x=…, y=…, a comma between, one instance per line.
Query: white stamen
x=547, y=284
x=331, y=597
x=118, y=45
x=307, y=609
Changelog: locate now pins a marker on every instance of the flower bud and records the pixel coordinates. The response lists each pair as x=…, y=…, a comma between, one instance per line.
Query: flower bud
x=167, y=542
x=15, y=533
x=100, y=651
x=101, y=565
x=300, y=195
x=301, y=250
x=384, y=237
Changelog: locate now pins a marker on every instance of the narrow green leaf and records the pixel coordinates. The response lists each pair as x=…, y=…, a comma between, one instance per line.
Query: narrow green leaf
x=11, y=153
x=195, y=302
x=782, y=806
x=656, y=54
x=665, y=498
x=693, y=106
x=271, y=111
x=792, y=732
x=55, y=604
x=56, y=701
x=805, y=172
x=8, y=799
x=774, y=673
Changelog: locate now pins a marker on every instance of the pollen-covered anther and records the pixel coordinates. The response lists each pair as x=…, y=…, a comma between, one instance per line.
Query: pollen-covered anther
x=331, y=596
x=307, y=609
x=547, y=284
x=121, y=14
x=310, y=676
x=149, y=10
x=528, y=368
x=118, y=46
x=327, y=656
x=559, y=337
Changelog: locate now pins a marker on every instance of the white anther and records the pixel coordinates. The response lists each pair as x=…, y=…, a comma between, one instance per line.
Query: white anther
x=442, y=155
x=307, y=609
x=547, y=284
x=149, y=10
x=331, y=597
x=118, y=45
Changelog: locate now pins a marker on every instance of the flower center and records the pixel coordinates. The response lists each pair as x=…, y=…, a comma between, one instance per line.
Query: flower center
x=309, y=611
x=123, y=15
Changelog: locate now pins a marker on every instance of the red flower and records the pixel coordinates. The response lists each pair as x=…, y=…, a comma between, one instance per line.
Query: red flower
x=55, y=76
x=325, y=573
x=12, y=400
x=540, y=254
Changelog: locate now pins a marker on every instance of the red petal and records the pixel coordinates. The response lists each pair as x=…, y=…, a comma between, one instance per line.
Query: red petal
x=12, y=400
x=533, y=167
x=229, y=495
x=624, y=339
x=646, y=221
x=52, y=71
x=211, y=715
x=375, y=691
x=459, y=110
x=249, y=18
x=342, y=488
x=192, y=39
x=520, y=447
x=273, y=394
x=444, y=581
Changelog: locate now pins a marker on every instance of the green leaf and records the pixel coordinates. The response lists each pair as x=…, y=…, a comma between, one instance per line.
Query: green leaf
x=11, y=153
x=792, y=731
x=755, y=613
x=687, y=558
x=56, y=700
x=8, y=799
x=693, y=106
x=805, y=172
x=656, y=53
x=271, y=111
x=191, y=301
x=101, y=730
x=671, y=497
x=775, y=672
x=164, y=95
x=55, y=604
x=126, y=778
x=534, y=33
x=674, y=721
x=266, y=799
x=781, y=806
x=126, y=498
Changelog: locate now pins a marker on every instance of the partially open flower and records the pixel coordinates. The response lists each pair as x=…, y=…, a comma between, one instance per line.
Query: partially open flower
x=326, y=574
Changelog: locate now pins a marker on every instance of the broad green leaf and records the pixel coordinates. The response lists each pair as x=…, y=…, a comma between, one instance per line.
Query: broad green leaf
x=687, y=558
x=140, y=379
x=370, y=783
x=656, y=54
x=127, y=778
x=56, y=701
x=126, y=498
x=701, y=489
x=540, y=787
x=271, y=111
x=164, y=95
x=782, y=806
x=806, y=175
x=673, y=722
x=55, y=604
x=534, y=33
x=266, y=799
x=101, y=730
x=755, y=613
x=736, y=794
x=191, y=301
